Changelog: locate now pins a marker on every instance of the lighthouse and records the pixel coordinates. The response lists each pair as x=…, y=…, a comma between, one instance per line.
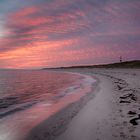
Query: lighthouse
x=120, y=59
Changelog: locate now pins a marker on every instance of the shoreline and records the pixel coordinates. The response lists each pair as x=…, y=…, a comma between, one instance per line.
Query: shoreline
x=57, y=123
x=102, y=115
x=25, y=119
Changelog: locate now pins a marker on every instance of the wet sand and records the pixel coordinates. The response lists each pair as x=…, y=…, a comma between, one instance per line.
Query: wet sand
x=110, y=112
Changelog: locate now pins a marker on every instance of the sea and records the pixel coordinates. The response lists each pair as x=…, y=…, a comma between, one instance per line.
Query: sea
x=27, y=97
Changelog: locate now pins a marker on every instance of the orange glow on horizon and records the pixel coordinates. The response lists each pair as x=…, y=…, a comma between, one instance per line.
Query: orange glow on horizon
x=35, y=54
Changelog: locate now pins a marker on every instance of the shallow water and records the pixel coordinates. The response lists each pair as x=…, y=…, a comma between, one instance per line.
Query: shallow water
x=28, y=97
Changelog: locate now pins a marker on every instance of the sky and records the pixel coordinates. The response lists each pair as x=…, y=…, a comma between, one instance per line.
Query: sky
x=55, y=33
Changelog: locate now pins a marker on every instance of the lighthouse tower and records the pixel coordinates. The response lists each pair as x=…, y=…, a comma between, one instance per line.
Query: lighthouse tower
x=120, y=59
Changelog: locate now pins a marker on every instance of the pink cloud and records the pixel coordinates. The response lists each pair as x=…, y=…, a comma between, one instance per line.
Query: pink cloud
x=70, y=32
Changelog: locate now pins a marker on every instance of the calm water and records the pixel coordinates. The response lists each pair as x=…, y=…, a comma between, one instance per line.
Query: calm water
x=28, y=97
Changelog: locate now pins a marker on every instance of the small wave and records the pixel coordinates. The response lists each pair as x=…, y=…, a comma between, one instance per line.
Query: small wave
x=16, y=109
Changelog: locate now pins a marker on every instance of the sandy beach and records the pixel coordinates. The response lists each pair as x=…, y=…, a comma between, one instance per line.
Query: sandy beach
x=110, y=112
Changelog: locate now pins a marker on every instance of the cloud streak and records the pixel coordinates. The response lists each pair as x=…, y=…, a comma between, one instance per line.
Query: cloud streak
x=59, y=33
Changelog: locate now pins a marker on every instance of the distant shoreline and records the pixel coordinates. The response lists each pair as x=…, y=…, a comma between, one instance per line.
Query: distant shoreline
x=126, y=64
